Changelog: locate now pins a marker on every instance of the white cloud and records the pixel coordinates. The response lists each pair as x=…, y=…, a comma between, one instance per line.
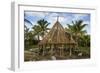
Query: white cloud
x=79, y=16
x=64, y=18
x=37, y=14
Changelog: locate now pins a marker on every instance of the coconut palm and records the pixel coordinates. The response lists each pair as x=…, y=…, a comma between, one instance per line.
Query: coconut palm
x=41, y=28
x=43, y=24
x=86, y=40
x=27, y=33
x=26, y=20
x=36, y=31
x=77, y=29
x=27, y=37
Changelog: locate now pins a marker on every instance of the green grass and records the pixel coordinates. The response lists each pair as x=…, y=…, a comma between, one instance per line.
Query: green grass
x=84, y=50
x=31, y=47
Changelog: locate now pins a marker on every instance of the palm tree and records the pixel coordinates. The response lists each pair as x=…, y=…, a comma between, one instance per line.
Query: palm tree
x=27, y=33
x=26, y=20
x=86, y=40
x=77, y=29
x=43, y=24
x=41, y=28
x=27, y=37
x=36, y=31
x=26, y=29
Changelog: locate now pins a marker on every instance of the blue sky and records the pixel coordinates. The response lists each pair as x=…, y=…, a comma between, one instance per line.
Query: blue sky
x=51, y=17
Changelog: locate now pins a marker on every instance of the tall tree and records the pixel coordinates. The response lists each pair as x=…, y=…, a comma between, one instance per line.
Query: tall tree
x=28, y=37
x=77, y=29
x=36, y=31
x=86, y=40
x=41, y=28
x=26, y=20
x=43, y=25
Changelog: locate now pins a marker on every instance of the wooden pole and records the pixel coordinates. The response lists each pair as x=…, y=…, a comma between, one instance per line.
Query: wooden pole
x=60, y=52
x=51, y=50
x=38, y=49
x=70, y=53
x=62, y=49
x=43, y=50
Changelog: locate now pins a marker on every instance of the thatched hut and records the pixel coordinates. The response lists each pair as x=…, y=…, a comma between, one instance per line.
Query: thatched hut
x=57, y=38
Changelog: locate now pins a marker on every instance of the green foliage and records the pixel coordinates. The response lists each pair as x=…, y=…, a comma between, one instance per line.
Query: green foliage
x=38, y=30
x=42, y=26
x=77, y=28
x=32, y=38
x=85, y=41
x=79, y=33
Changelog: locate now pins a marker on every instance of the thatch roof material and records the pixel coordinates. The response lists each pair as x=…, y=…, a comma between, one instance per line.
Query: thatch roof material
x=57, y=35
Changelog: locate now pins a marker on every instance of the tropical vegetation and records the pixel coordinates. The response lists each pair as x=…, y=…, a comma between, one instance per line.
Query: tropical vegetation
x=76, y=30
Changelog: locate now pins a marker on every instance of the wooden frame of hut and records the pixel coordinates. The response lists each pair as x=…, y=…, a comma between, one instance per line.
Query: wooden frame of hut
x=57, y=38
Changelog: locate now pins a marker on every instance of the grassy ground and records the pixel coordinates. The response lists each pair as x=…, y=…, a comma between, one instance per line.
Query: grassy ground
x=34, y=56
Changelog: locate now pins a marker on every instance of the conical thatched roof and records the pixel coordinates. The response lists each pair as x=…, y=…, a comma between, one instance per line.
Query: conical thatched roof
x=57, y=35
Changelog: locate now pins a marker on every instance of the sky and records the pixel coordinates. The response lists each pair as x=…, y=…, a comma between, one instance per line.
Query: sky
x=64, y=18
